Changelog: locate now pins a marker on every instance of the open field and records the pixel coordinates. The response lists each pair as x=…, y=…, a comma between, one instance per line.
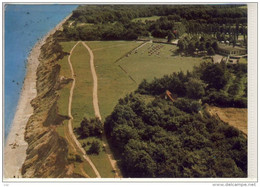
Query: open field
x=156, y=60
x=236, y=117
x=113, y=83
x=82, y=98
x=143, y=19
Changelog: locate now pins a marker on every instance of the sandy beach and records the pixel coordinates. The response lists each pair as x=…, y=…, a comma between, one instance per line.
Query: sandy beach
x=15, y=145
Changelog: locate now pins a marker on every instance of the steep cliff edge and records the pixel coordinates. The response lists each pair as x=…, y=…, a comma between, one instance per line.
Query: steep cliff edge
x=47, y=151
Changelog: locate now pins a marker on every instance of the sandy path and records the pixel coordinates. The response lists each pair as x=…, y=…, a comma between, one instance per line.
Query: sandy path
x=71, y=133
x=97, y=112
x=15, y=145
x=95, y=84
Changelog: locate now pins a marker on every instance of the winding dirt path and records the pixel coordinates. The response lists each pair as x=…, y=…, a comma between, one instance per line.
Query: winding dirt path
x=71, y=133
x=97, y=112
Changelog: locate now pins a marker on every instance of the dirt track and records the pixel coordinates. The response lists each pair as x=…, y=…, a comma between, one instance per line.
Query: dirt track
x=95, y=83
x=72, y=135
x=97, y=112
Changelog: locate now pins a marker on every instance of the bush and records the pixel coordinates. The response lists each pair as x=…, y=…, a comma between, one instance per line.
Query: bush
x=95, y=147
x=188, y=105
x=92, y=127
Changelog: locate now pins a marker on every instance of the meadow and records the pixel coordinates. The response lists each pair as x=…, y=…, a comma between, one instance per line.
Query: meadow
x=156, y=60
x=113, y=83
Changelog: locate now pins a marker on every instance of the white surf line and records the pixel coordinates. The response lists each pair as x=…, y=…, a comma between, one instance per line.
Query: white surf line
x=96, y=109
x=71, y=117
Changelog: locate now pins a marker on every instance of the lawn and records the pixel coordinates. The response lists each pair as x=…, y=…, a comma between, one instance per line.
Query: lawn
x=143, y=19
x=156, y=60
x=113, y=83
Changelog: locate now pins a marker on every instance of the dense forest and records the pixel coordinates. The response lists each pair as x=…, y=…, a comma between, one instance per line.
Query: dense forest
x=162, y=138
x=114, y=22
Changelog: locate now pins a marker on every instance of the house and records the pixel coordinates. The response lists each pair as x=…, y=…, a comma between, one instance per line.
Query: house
x=230, y=50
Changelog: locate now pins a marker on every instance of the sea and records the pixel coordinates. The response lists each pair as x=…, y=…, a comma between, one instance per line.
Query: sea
x=24, y=25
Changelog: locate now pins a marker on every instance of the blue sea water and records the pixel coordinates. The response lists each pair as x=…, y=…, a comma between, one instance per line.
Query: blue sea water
x=24, y=25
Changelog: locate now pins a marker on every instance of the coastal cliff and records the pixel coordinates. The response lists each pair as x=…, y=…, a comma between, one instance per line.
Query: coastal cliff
x=47, y=151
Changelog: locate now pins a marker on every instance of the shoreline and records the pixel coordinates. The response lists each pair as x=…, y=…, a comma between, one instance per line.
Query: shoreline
x=15, y=146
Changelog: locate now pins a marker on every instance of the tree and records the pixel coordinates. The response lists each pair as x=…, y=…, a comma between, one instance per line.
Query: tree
x=170, y=36
x=211, y=51
x=95, y=147
x=182, y=44
x=92, y=127
x=202, y=46
x=191, y=48
x=214, y=45
x=195, y=88
x=215, y=76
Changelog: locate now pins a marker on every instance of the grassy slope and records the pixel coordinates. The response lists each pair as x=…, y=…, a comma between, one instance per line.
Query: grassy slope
x=113, y=83
x=141, y=65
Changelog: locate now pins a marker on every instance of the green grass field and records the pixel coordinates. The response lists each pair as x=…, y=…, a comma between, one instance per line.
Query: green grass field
x=82, y=97
x=156, y=60
x=143, y=19
x=113, y=83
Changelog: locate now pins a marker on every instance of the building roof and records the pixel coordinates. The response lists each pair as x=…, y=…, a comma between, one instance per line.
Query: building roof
x=230, y=47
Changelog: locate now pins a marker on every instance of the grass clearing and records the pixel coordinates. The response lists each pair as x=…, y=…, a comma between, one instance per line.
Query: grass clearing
x=101, y=160
x=236, y=117
x=156, y=60
x=243, y=60
x=82, y=105
x=84, y=24
x=143, y=19
x=113, y=83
